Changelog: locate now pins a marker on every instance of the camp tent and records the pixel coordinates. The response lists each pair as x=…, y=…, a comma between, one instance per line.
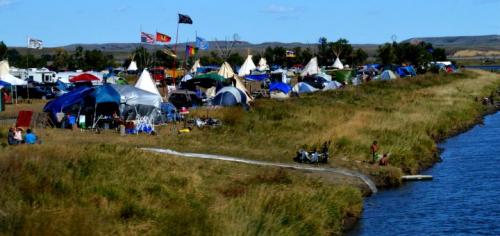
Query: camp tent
x=311, y=68
x=146, y=83
x=226, y=71
x=303, y=88
x=205, y=80
x=338, y=64
x=263, y=64
x=279, y=90
x=195, y=67
x=229, y=96
x=132, y=66
x=332, y=85
x=247, y=67
x=388, y=75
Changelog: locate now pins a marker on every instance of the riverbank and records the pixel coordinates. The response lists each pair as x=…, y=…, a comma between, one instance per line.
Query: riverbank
x=105, y=181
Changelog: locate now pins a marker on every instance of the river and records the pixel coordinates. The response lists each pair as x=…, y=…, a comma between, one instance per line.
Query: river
x=463, y=198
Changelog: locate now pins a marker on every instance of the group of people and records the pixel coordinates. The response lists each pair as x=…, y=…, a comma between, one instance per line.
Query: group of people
x=16, y=136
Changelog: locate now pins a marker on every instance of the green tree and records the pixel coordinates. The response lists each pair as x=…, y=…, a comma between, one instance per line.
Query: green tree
x=3, y=50
x=341, y=48
x=359, y=57
x=439, y=54
x=324, y=52
x=143, y=58
x=235, y=59
x=386, y=54
x=61, y=59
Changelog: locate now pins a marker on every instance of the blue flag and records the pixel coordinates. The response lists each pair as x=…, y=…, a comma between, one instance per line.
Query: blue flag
x=201, y=43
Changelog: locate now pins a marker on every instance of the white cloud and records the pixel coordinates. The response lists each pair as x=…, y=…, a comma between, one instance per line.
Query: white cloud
x=4, y=3
x=279, y=9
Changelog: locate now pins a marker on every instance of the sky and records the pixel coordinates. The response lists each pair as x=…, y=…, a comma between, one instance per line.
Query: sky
x=63, y=22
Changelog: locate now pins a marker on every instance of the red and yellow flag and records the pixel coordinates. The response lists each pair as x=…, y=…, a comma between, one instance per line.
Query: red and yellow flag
x=162, y=38
x=191, y=51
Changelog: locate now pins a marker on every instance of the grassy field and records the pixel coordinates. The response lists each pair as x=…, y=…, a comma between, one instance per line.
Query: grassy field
x=86, y=183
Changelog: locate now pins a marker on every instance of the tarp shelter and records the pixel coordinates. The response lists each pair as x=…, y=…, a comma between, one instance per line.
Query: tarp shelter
x=303, y=88
x=406, y=71
x=146, y=83
x=263, y=64
x=338, y=64
x=83, y=78
x=132, y=66
x=206, y=80
x=344, y=76
x=229, y=96
x=257, y=77
x=65, y=102
x=247, y=67
x=388, y=75
x=332, y=85
x=106, y=94
x=195, y=67
x=279, y=86
x=311, y=68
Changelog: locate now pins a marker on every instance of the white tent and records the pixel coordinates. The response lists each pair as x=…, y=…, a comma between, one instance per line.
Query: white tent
x=132, y=66
x=263, y=64
x=195, y=66
x=338, y=64
x=247, y=67
x=146, y=83
x=227, y=72
x=7, y=77
x=311, y=68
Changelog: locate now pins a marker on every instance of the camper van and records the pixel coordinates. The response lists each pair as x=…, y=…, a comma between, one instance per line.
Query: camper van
x=41, y=76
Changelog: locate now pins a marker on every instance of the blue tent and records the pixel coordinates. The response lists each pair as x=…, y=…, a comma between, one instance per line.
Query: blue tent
x=279, y=86
x=229, y=96
x=406, y=71
x=67, y=100
x=258, y=77
x=105, y=94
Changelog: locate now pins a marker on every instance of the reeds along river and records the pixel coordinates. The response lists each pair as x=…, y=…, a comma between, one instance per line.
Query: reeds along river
x=463, y=198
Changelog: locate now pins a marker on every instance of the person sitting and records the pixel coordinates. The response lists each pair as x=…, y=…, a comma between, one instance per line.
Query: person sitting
x=10, y=137
x=384, y=160
x=18, y=135
x=30, y=137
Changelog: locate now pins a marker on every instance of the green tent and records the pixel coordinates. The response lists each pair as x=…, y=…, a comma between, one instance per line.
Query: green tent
x=212, y=76
x=344, y=76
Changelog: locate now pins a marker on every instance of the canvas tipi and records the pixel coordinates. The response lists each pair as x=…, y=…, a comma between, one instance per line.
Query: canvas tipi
x=195, y=67
x=338, y=64
x=146, y=83
x=5, y=75
x=311, y=68
x=227, y=72
x=247, y=67
x=263, y=64
x=132, y=66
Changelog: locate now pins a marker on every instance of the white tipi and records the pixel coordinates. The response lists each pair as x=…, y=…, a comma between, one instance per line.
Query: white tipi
x=311, y=68
x=263, y=64
x=132, y=66
x=195, y=67
x=247, y=67
x=227, y=72
x=338, y=64
x=7, y=77
x=146, y=83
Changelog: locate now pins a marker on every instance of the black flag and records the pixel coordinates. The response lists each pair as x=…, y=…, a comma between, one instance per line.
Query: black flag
x=185, y=19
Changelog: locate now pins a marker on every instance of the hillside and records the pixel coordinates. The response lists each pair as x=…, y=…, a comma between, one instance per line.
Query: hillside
x=455, y=43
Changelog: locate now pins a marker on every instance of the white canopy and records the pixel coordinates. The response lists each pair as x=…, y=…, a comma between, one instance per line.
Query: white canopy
x=195, y=66
x=247, y=67
x=311, y=68
x=132, y=66
x=146, y=83
x=7, y=77
x=338, y=64
x=263, y=64
x=226, y=71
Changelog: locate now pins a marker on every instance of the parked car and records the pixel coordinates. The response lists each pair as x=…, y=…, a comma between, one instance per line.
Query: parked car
x=37, y=92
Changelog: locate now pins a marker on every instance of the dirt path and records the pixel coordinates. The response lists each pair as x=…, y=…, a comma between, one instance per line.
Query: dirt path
x=339, y=171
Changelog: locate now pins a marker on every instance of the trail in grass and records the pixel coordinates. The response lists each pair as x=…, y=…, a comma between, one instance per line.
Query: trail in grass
x=340, y=171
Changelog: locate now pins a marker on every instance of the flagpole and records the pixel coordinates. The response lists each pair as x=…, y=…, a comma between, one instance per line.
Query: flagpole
x=175, y=51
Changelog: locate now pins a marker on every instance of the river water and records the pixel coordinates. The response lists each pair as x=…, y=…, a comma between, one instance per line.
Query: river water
x=463, y=198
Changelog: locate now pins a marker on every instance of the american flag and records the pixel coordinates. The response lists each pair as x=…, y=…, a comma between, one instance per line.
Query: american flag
x=147, y=38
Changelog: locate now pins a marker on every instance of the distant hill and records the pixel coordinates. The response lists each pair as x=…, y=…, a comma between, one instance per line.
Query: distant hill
x=486, y=42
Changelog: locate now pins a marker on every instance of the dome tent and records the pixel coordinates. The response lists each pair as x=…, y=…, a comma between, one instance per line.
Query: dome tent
x=388, y=75
x=229, y=96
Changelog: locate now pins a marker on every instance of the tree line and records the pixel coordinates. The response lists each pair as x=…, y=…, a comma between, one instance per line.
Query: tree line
x=417, y=54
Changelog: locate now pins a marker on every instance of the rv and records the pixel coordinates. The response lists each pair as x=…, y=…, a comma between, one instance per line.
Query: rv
x=41, y=76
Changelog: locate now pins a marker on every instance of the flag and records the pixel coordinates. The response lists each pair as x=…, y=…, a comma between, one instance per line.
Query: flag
x=202, y=44
x=191, y=51
x=147, y=38
x=162, y=38
x=185, y=19
x=290, y=53
x=35, y=43
x=169, y=52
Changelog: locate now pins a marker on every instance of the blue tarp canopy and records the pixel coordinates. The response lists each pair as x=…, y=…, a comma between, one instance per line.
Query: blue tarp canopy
x=258, y=77
x=406, y=71
x=105, y=94
x=66, y=100
x=279, y=86
x=4, y=84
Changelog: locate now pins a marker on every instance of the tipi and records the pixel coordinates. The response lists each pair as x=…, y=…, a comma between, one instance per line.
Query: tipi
x=195, y=67
x=247, y=67
x=132, y=66
x=263, y=64
x=338, y=64
x=311, y=68
x=145, y=82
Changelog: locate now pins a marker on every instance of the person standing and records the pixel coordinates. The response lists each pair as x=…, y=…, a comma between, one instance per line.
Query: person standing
x=374, y=149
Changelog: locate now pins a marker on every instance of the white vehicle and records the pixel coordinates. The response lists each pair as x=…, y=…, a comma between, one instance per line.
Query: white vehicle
x=41, y=76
